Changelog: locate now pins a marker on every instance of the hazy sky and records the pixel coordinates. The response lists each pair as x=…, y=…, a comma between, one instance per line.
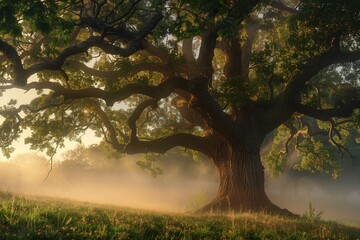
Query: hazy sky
x=24, y=97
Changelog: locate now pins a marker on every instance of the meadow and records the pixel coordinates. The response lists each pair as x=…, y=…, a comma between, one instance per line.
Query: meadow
x=30, y=217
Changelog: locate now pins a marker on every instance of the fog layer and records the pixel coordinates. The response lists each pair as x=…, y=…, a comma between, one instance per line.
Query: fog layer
x=184, y=185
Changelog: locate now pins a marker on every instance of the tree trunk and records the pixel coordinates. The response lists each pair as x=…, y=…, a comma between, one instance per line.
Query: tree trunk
x=241, y=182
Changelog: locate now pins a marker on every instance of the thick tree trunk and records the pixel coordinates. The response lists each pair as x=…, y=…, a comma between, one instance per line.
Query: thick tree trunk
x=241, y=182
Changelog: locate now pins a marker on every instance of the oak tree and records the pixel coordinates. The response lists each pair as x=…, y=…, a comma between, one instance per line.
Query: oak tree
x=216, y=77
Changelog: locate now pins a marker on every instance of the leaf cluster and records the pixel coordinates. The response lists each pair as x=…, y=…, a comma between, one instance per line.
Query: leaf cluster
x=148, y=163
x=59, y=121
x=41, y=16
x=10, y=127
x=320, y=24
x=235, y=91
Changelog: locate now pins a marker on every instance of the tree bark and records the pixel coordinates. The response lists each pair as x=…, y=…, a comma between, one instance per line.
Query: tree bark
x=241, y=181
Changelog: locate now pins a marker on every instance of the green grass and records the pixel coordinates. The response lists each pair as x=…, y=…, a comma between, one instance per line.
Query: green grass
x=26, y=217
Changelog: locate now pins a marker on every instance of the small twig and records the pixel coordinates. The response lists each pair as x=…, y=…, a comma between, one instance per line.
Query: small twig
x=123, y=18
x=341, y=148
x=51, y=160
x=66, y=77
x=113, y=10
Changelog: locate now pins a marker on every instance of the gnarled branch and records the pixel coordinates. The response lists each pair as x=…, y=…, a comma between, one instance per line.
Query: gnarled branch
x=251, y=28
x=21, y=74
x=233, y=66
x=162, y=90
x=135, y=116
x=326, y=114
x=189, y=114
x=314, y=65
x=162, y=145
x=157, y=52
x=111, y=130
x=206, y=53
x=288, y=102
x=167, y=70
x=13, y=56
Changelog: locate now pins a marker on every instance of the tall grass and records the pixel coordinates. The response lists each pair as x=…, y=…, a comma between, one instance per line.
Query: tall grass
x=25, y=217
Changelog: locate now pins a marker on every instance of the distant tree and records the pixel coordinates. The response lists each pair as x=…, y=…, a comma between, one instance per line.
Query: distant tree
x=211, y=76
x=86, y=158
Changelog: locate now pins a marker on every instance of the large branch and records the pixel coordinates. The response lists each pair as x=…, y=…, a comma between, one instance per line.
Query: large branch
x=136, y=115
x=288, y=102
x=13, y=56
x=163, y=55
x=95, y=72
x=213, y=113
x=96, y=41
x=251, y=29
x=111, y=130
x=315, y=65
x=239, y=11
x=22, y=75
x=164, y=69
x=206, y=53
x=183, y=105
x=162, y=145
x=344, y=111
x=174, y=68
x=135, y=43
x=162, y=90
x=167, y=70
x=233, y=66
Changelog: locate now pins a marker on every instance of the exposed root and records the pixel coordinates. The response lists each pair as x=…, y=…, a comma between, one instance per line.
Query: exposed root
x=275, y=210
x=221, y=206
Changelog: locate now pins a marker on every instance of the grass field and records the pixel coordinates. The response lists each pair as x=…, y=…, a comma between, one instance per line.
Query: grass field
x=27, y=217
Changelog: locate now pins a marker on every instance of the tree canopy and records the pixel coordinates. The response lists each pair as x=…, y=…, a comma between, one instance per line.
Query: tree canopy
x=215, y=77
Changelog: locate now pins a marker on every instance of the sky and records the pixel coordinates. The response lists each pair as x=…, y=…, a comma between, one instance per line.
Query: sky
x=24, y=97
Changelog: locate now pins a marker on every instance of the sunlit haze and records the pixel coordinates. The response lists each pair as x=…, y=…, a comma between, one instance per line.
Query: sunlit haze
x=184, y=186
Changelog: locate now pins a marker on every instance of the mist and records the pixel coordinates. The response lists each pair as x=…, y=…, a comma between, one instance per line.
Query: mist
x=183, y=187
x=337, y=199
x=179, y=188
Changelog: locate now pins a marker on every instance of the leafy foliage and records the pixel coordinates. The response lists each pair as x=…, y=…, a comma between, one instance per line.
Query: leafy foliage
x=150, y=75
x=149, y=164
